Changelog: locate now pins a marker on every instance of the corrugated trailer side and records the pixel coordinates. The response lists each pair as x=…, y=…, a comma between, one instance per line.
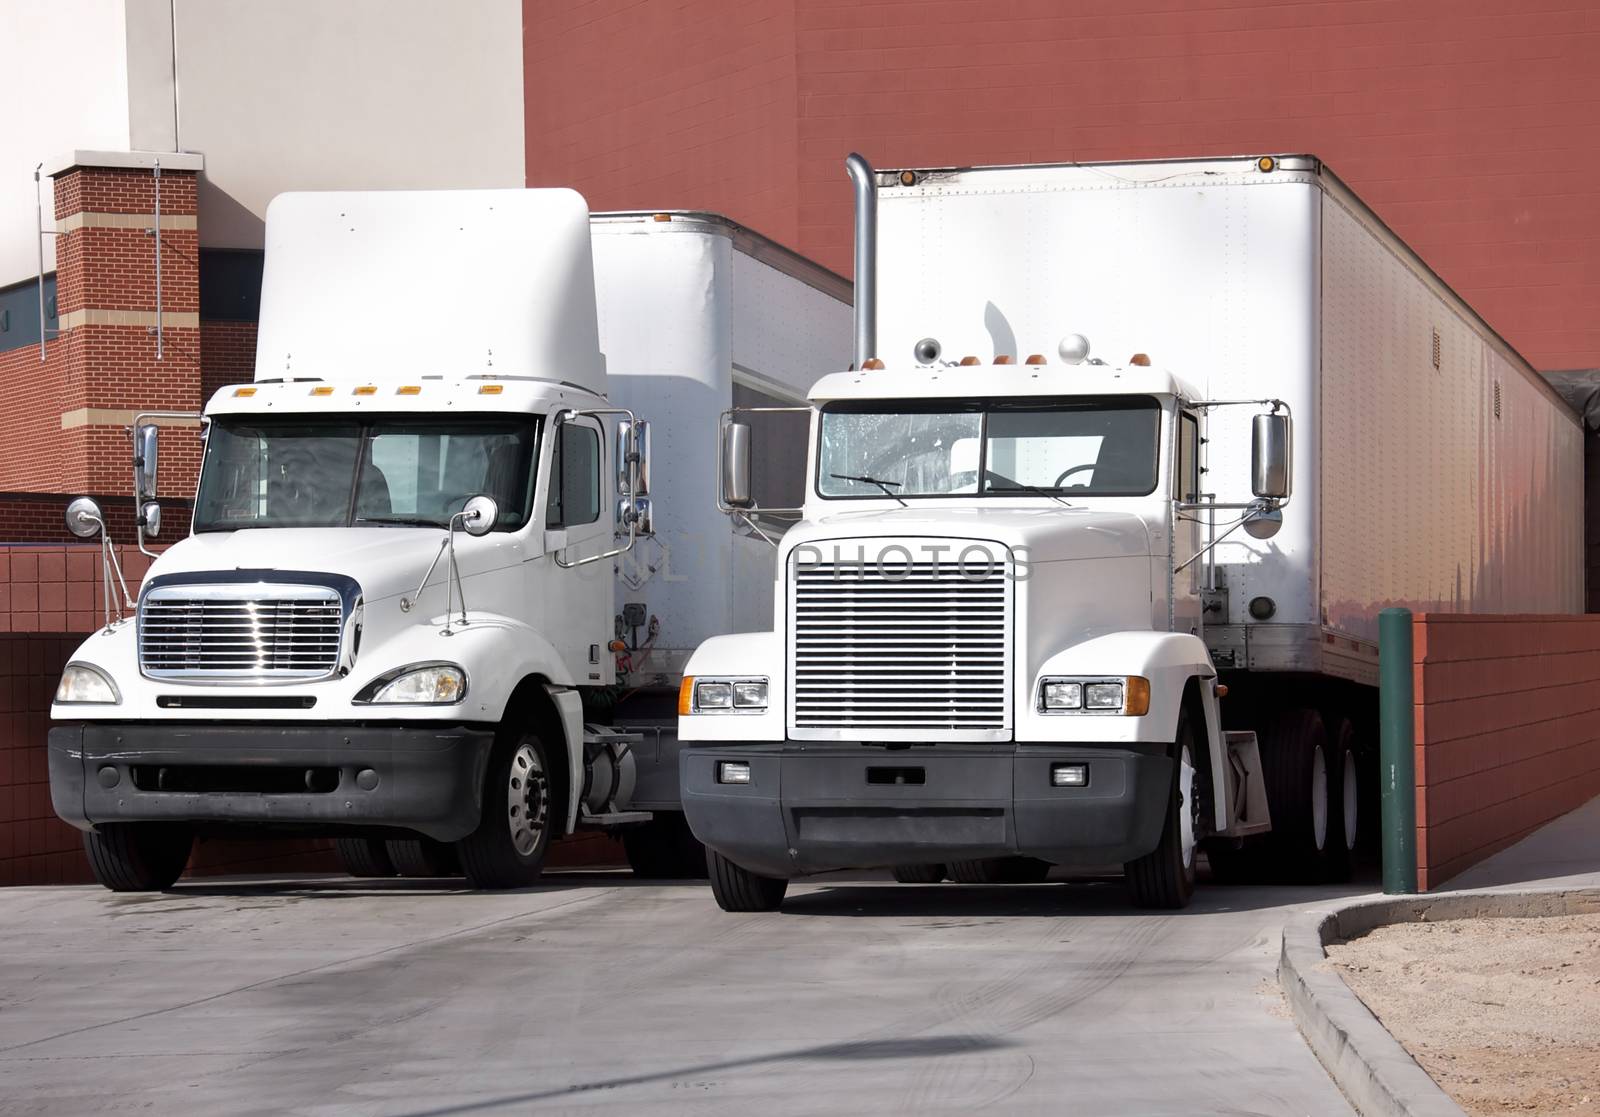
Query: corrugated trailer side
x=1451, y=474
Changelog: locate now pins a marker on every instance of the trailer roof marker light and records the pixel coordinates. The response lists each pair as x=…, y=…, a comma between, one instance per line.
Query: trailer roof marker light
x=662, y=217
x=322, y=390
x=245, y=392
x=1266, y=164
x=490, y=389
x=908, y=178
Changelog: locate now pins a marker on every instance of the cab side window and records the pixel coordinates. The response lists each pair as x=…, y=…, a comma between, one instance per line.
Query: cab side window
x=1188, y=457
x=575, y=476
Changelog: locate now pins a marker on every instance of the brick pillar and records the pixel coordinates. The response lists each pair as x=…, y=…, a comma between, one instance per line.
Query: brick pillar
x=104, y=366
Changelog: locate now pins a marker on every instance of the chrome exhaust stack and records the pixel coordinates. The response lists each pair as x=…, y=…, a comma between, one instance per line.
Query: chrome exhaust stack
x=864, y=179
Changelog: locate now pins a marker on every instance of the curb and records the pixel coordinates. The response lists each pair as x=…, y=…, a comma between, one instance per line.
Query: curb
x=1365, y=1061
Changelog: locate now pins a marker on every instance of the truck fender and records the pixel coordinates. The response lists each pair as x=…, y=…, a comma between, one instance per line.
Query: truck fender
x=1169, y=660
x=569, y=704
x=743, y=655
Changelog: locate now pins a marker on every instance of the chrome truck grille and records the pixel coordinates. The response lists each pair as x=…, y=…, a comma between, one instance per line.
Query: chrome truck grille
x=908, y=644
x=240, y=632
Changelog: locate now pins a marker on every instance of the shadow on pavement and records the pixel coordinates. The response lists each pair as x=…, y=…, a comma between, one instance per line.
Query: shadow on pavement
x=924, y=1047
x=336, y=887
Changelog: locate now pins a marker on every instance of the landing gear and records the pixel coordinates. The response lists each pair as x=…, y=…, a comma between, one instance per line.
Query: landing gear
x=1164, y=877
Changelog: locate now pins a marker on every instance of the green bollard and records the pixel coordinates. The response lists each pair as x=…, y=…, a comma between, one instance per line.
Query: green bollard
x=1397, y=752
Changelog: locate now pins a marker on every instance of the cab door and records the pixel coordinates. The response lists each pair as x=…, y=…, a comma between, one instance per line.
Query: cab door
x=579, y=513
x=1188, y=534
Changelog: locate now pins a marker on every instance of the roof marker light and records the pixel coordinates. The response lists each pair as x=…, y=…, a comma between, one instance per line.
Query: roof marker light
x=1036, y=359
x=967, y=361
x=490, y=389
x=1005, y=359
x=237, y=392
x=1142, y=360
x=908, y=178
x=367, y=390
x=662, y=217
x=1267, y=164
x=871, y=364
x=322, y=390
x=408, y=390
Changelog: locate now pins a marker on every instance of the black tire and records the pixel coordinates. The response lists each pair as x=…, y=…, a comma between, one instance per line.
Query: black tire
x=364, y=857
x=423, y=857
x=919, y=874
x=985, y=871
x=1294, y=750
x=1164, y=877
x=738, y=889
x=138, y=856
x=1344, y=803
x=508, y=848
x=665, y=849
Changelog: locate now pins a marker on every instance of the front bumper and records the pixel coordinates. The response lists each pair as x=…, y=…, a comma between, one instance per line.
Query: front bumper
x=428, y=780
x=813, y=808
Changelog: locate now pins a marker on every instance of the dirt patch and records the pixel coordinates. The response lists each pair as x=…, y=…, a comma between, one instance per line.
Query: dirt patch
x=1503, y=1013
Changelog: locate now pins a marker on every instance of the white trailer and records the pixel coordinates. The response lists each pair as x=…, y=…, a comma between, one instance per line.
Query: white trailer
x=1149, y=551
x=395, y=618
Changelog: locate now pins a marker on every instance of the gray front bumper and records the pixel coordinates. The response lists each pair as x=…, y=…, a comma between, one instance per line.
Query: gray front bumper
x=813, y=808
x=425, y=779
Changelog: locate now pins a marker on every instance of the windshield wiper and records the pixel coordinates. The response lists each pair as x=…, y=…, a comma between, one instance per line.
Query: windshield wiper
x=1011, y=486
x=888, y=487
x=399, y=521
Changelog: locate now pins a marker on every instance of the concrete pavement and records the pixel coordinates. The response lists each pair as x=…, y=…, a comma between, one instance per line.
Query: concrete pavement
x=596, y=993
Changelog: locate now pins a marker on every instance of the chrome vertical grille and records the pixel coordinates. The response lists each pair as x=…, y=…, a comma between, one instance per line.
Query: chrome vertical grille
x=240, y=632
x=909, y=643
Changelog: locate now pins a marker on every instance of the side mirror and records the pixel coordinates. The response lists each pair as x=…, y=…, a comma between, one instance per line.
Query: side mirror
x=1271, y=450
x=144, y=462
x=736, y=466
x=150, y=511
x=633, y=440
x=479, y=515
x=639, y=513
x=84, y=519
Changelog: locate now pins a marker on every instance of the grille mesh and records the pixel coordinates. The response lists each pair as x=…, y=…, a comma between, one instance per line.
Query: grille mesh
x=183, y=633
x=901, y=645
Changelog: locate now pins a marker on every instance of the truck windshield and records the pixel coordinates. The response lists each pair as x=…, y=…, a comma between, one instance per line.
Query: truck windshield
x=401, y=470
x=1088, y=447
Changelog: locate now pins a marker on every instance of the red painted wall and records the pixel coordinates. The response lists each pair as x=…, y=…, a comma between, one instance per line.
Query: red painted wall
x=1471, y=126
x=1507, y=731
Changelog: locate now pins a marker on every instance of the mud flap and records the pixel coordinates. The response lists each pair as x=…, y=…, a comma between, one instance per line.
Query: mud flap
x=1246, y=791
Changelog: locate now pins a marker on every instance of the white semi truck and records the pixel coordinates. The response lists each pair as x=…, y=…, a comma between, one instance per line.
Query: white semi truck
x=422, y=597
x=1026, y=577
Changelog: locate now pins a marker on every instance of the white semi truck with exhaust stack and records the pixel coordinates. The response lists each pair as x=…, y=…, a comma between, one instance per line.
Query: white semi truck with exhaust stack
x=1097, y=529
x=422, y=608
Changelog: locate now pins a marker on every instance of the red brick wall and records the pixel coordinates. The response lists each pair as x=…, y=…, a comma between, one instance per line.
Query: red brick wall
x=1471, y=126
x=1507, y=731
x=227, y=355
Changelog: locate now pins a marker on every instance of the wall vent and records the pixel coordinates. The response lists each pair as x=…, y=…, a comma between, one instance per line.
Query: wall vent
x=1436, y=350
x=1497, y=399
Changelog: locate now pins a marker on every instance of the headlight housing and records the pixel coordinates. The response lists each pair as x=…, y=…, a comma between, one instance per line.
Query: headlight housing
x=418, y=684
x=83, y=685
x=722, y=696
x=1128, y=695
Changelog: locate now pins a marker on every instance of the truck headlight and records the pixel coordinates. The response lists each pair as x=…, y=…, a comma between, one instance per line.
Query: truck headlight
x=419, y=684
x=720, y=696
x=1128, y=695
x=82, y=685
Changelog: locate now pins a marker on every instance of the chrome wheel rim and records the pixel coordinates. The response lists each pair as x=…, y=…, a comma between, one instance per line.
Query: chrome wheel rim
x=526, y=801
x=1352, y=812
x=1188, y=807
x=1319, y=798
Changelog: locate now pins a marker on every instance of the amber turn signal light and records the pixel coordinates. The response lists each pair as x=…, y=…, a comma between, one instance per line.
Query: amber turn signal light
x=686, y=696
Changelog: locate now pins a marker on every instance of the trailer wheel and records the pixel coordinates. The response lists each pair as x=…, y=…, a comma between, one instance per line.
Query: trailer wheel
x=507, y=849
x=138, y=856
x=738, y=889
x=1164, y=877
x=364, y=857
x=1299, y=786
x=423, y=857
x=665, y=849
x=919, y=874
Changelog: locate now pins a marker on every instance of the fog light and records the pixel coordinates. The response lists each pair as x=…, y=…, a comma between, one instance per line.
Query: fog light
x=733, y=771
x=1069, y=775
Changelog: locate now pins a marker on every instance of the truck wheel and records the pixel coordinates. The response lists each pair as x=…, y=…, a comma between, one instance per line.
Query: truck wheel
x=364, y=857
x=1164, y=877
x=138, y=856
x=1344, y=801
x=1296, y=772
x=919, y=874
x=738, y=889
x=423, y=857
x=507, y=849
x=665, y=849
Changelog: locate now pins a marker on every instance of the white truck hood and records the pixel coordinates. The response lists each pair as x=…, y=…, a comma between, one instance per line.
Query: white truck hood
x=1049, y=534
